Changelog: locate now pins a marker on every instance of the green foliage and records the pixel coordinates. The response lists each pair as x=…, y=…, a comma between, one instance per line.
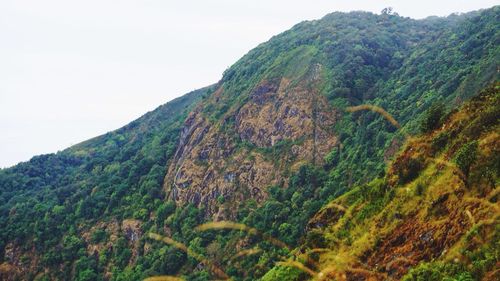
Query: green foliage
x=332, y=158
x=466, y=156
x=85, y=269
x=432, y=118
x=71, y=245
x=165, y=210
x=315, y=239
x=439, y=142
x=438, y=272
x=117, y=175
x=285, y=214
x=98, y=236
x=220, y=199
x=283, y=273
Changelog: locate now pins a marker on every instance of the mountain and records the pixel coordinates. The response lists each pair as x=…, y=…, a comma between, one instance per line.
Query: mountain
x=291, y=149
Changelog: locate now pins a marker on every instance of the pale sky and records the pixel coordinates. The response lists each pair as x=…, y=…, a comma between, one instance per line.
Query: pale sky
x=71, y=70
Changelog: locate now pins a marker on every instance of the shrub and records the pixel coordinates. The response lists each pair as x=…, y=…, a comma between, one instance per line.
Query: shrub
x=283, y=273
x=419, y=189
x=466, y=156
x=315, y=239
x=409, y=169
x=440, y=141
x=432, y=118
x=332, y=158
x=98, y=236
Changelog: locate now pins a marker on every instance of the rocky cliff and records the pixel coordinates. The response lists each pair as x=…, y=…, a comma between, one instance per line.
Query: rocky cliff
x=284, y=123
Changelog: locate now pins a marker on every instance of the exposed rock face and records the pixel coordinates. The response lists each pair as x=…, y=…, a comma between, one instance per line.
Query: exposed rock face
x=19, y=262
x=132, y=230
x=237, y=157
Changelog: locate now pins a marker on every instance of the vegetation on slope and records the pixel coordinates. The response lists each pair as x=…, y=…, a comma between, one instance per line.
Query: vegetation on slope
x=47, y=203
x=83, y=212
x=434, y=216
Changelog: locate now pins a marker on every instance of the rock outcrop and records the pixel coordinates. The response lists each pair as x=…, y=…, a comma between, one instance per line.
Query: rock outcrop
x=252, y=146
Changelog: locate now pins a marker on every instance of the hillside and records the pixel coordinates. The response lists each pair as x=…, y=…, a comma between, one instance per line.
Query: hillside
x=283, y=144
x=435, y=215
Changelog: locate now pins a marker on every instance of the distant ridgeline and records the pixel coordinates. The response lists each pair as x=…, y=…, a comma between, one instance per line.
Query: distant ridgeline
x=354, y=147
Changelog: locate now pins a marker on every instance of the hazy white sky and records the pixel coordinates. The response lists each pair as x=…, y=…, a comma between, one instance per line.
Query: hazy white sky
x=71, y=70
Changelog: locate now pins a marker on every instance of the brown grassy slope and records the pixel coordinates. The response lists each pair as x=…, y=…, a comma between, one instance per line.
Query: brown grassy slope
x=427, y=209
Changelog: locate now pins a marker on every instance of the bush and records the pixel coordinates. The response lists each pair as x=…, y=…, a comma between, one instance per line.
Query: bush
x=432, y=118
x=409, y=169
x=332, y=158
x=419, y=189
x=283, y=273
x=98, y=236
x=466, y=156
x=440, y=141
x=315, y=239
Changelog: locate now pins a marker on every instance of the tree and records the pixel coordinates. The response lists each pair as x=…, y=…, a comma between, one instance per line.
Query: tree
x=466, y=156
x=163, y=211
x=386, y=11
x=71, y=245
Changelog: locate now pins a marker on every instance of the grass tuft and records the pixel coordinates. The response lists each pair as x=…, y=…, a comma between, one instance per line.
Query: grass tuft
x=241, y=227
x=376, y=109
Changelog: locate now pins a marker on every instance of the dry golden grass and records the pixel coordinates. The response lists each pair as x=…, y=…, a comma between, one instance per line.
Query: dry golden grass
x=318, y=250
x=451, y=165
x=368, y=274
x=330, y=273
x=338, y=207
x=333, y=273
x=483, y=202
x=376, y=109
x=241, y=227
x=493, y=193
x=7, y=268
x=398, y=260
x=169, y=241
x=247, y=252
x=471, y=218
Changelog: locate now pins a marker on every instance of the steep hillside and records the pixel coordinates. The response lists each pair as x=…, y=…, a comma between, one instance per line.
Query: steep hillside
x=283, y=104
x=282, y=134
x=49, y=205
x=435, y=215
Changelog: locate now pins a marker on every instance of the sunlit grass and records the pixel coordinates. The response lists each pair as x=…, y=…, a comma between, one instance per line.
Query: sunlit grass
x=241, y=227
x=245, y=253
x=376, y=109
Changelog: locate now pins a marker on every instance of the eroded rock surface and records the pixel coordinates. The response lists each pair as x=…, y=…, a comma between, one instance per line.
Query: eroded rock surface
x=281, y=125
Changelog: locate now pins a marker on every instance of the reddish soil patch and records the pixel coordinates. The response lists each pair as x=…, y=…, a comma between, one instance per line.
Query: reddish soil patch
x=415, y=241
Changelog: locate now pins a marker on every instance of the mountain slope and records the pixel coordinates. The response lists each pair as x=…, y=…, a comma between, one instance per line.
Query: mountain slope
x=53, y=195
x=269, y=145
x=290, y=95
x=440, y=222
